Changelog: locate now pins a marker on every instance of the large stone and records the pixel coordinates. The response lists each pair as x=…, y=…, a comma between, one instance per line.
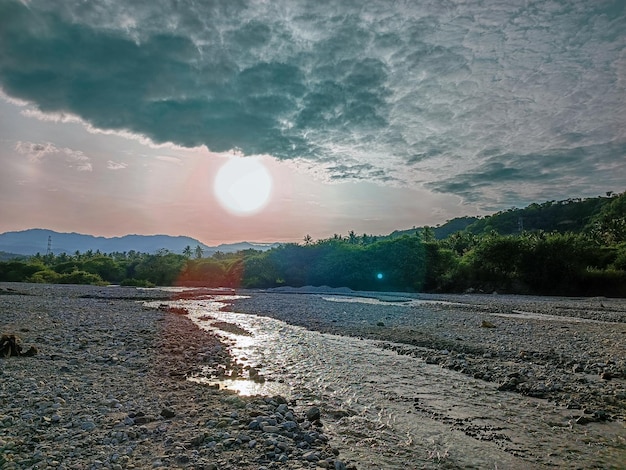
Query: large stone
x=313, y=414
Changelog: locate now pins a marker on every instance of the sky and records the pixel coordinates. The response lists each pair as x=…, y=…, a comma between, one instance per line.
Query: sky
x=117, y=117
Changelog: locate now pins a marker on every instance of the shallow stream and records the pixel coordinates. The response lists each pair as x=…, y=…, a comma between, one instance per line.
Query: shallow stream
x=390, y=411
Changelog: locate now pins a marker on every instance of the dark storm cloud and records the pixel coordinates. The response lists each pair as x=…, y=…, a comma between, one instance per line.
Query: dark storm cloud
x=515, y=179
x=437, y=93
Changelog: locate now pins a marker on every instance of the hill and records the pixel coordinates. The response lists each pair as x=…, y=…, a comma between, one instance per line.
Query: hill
x=570, y=215
x=33, y=241
x=457, y=224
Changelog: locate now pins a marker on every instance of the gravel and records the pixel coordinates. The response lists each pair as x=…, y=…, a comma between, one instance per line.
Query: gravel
x=107, y=389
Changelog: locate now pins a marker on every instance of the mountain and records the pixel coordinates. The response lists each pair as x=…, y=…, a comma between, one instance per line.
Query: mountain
x=30, y=242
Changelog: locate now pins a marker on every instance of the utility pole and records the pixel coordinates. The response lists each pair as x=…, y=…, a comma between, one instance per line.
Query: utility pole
x=520, y=224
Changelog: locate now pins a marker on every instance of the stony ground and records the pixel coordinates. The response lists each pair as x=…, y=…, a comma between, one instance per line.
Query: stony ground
x=569, y=350
x=107, y=389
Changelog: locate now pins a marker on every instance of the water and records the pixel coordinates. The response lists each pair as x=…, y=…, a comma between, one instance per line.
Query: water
x=388, y=411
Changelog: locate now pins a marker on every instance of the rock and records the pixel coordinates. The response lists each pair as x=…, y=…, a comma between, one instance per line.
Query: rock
x=10, y=346
x=508, y=385
x=487, y=324
x=196, y=441
x=311, y=456
x=182, y=459
x=600, y=415
x=289, y=425
x=167, y=413
x=313, y=414
x=142, y=419
x=88, y=426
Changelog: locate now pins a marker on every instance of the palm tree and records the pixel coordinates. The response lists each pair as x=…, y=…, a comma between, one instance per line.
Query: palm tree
x=352, y=237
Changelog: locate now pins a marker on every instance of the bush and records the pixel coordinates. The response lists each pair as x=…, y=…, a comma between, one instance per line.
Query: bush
x=81, y=277
x=45, y=276
x=136, y=283
x=610, y=283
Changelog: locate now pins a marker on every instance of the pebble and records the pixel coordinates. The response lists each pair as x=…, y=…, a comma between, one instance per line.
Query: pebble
x=117, y=394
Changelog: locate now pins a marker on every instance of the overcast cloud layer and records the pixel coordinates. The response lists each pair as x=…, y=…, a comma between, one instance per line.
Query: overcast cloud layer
x=498, y=102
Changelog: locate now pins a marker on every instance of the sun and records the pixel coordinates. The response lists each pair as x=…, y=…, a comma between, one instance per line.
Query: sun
x=243, y=185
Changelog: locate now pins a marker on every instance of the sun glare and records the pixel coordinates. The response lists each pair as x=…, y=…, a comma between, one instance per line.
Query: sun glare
x=243, y=185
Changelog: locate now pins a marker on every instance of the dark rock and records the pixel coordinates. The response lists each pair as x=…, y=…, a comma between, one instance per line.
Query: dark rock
x=10, y=346
x=182, y=459
x=313, y=414
x=196, y=441
x=142, y=419
x=600, y=415
x=167, y=413
x=508, y=385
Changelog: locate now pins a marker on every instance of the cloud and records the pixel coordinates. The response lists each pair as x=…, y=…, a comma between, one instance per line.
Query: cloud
x=436, y=94
x=168, y=159
x=111, y=165
x=38, y=153
x=509, y=179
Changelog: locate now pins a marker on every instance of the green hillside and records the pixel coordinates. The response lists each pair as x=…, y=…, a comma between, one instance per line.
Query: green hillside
x=571, y=215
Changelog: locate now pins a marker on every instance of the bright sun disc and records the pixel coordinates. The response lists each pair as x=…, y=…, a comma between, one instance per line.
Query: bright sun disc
x=243, y=185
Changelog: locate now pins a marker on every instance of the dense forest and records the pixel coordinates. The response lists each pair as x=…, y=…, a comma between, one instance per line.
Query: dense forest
x=575, y=247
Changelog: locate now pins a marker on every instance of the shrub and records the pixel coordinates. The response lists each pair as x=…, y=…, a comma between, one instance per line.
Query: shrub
x=136, y=283
x=80, y=277
x=45, y=276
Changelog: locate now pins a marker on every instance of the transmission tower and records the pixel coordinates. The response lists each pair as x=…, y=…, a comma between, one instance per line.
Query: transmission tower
x=49, y=250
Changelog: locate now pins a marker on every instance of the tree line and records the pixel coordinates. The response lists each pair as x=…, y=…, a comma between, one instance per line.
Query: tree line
x=589, y=261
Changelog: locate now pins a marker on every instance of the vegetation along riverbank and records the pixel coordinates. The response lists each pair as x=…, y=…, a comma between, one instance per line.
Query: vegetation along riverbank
x=573, y=247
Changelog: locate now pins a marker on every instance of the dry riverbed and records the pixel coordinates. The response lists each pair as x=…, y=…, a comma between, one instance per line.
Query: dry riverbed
x=107, y=389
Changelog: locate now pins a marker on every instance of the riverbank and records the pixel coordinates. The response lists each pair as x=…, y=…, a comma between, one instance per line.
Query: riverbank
x=107, y=389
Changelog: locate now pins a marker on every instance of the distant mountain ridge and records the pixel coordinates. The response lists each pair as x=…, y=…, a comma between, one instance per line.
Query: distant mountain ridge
x=33, y=241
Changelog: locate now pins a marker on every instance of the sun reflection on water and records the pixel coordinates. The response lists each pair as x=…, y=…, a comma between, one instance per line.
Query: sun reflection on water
x=244, y=387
